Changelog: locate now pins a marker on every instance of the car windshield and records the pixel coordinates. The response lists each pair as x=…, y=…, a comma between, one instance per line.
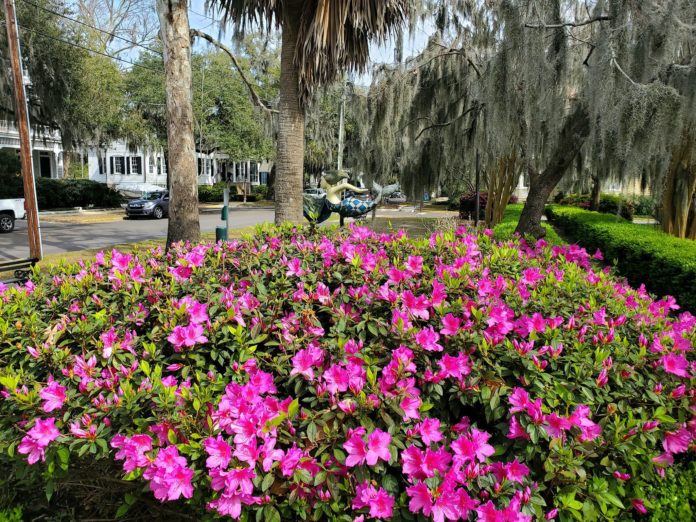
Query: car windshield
x=151, y=196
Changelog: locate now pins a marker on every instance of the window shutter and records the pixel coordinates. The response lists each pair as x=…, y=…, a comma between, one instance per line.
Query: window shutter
x=127, y=161
x=139, y=164
x=112, y=164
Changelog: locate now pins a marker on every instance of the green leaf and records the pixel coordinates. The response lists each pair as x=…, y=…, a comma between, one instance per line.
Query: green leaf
x=293, y=408
x=312, y=432
x=271, y=514
x=268, y=481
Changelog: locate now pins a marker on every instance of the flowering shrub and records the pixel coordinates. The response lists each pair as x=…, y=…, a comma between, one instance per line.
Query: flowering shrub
x=351, y=377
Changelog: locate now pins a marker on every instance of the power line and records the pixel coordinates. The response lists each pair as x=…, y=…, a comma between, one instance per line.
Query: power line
x=134, y=64
x=92, y=27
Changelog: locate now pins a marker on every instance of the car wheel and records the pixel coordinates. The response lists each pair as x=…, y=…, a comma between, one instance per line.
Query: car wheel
x=158, y=213
x=7, y=223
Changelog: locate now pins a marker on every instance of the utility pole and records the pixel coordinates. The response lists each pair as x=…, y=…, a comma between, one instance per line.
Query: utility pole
x=342, y=125
x=34, y=230
x=478, y=190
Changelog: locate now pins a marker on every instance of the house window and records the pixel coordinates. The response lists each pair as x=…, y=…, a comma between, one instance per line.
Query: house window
x=161, y=166
x=118, y=165
x=151, y=164
x=102, y=163
x=136, y=165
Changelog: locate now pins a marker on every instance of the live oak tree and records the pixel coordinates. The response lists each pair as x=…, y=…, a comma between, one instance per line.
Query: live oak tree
x=321, y=39
x=184, y=224
x=603, y=89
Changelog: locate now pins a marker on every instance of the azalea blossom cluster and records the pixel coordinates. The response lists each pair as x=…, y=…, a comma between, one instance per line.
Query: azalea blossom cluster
x=452, y=377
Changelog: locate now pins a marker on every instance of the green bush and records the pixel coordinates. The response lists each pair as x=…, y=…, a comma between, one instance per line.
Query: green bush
x=211, y=193
x=608, y=203
x=62, y=193
x=674, y=498
x=643, y=254
x=644, y=205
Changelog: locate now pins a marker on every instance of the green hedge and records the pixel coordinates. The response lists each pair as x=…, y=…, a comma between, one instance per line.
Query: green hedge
x=62, y=193
x=608, y=203
x=642, y=253
x=674, y=498
x=506, y=228
x=214, y=193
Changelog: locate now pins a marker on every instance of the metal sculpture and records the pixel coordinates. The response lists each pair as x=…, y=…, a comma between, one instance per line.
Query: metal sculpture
x=319, y=209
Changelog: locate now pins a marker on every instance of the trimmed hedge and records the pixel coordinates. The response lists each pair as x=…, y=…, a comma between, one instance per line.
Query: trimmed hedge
x=62, y=193
x=215, y=193
x=506, y=228
x=608, y=203
x=643, y=254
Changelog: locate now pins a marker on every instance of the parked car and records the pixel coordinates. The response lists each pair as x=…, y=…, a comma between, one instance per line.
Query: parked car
x=151, y=204
x=315, y=192
x=395, y=198
x=11, y=210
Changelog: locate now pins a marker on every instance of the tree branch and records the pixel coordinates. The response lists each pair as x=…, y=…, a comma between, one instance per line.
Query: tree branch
x=252, y=91
x=602, y=18
x=476, y=107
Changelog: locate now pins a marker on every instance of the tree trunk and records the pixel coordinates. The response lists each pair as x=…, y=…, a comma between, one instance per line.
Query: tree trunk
x=184, y=223
x=270, y=192
x=573, y=134
x=596, y=196
x=678, y=196
x=500, y=188
x=290, y=158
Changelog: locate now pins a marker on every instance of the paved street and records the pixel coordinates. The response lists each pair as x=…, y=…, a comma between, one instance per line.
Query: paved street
x=66, y=237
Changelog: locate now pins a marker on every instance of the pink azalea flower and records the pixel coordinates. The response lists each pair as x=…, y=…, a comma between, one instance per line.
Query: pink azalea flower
x=356, y=447
x=410, y=404
x=304, y=362
x=428, y=339
x=380, y=502
x=519, y=400
x=132, y=450
x=414, y=265
x=53, y=395
x=556, y=425
x=675, y=364
x=639, y=506
x=677, y=442
x=416, y=306
x=378, y=447
x=429, y=431
x=187, y=336
x=515, y=471
x=37, y=439
x=473, y=446
x=450, y=325
x=621, y=476
x=516, y=431
x=337, y=379
x=219, y=452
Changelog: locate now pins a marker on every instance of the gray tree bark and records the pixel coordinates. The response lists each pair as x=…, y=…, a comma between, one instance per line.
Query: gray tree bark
x=184, y=224
x=575, y=130
x=290, y=159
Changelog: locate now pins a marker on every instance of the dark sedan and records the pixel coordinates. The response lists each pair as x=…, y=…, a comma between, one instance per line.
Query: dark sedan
x=152, y=204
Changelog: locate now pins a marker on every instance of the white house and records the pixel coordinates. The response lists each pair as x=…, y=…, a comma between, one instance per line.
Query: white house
x=121, y=164
x=47, y=149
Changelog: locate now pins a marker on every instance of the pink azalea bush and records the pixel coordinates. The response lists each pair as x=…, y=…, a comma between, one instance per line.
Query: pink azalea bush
x=352, y=377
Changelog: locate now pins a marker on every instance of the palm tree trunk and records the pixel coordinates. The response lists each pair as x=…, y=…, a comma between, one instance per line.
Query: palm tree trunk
x=184, y=223
x=290, y=159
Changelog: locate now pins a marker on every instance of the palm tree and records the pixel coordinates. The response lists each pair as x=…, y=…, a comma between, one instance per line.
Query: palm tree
x=321, y=39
